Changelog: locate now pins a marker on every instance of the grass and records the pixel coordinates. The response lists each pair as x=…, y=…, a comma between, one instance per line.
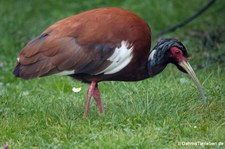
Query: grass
x=155, y=113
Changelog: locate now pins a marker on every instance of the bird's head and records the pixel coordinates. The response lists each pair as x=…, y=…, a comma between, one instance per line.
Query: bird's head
x=172, y=51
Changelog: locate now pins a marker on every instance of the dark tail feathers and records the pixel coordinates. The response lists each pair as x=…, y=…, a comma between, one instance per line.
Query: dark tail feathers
x=16, y=71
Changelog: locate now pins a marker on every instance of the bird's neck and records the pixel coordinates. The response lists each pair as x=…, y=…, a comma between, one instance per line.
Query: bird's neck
x=157, y=61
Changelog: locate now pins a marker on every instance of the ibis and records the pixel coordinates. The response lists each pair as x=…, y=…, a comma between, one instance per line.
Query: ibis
x=103, y=44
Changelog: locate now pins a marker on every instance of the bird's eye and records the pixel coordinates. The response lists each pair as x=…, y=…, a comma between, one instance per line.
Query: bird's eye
x=178, y=52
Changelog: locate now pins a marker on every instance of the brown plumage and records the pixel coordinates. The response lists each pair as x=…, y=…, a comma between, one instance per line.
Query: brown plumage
x=84, y=42
x=98, y=45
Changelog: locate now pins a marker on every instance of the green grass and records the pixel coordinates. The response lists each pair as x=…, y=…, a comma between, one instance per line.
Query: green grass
x=159, y=112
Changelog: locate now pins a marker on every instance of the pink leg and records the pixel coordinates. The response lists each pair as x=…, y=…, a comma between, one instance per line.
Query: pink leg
x=93, y=91
x=98, y=101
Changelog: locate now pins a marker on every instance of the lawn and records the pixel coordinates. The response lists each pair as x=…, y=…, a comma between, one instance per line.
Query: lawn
x=160, y=112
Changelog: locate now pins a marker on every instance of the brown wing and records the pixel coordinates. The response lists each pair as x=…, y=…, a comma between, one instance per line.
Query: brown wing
x=83, y=43
x=45, y=56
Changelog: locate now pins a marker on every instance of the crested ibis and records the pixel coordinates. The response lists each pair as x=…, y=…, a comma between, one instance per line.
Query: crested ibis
x=102, y=44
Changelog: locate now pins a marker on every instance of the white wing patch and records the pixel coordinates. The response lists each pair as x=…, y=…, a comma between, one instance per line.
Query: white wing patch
x=120, y=58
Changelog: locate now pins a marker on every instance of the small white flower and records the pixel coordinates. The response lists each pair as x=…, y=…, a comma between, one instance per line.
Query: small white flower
x=76, y=90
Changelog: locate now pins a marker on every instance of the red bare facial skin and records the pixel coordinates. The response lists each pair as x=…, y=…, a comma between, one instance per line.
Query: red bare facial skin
x=177, y=54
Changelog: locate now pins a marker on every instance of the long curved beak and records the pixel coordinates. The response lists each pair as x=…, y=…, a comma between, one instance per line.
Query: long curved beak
x=184, y=64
